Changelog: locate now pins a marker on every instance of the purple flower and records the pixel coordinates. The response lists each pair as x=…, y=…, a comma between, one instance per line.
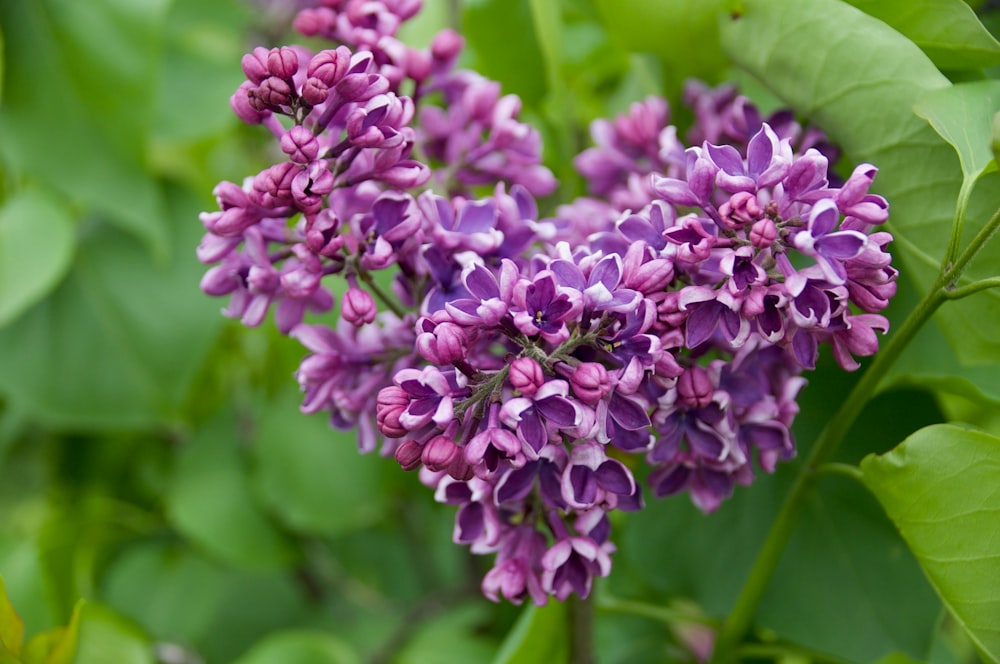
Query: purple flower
x=570, y=566
x=591, y=478
x=829, y=247
x=544, y=307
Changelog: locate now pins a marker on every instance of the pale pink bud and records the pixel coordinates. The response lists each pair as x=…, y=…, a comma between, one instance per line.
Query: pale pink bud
x=358, y=307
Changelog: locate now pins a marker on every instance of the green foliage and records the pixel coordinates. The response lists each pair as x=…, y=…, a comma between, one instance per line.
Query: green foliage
x=963, y=114
x=300, y=647
x=939, y=488
x=30, y=269
x=530, y=641
x=84, y=130
x=948, y=31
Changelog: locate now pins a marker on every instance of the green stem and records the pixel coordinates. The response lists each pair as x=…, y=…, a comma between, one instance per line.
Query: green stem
x=982, y=237
x=663, y=614
x=968, y=289
x=384, y=297
x=964, y=194
x=581, y=625
x=830, y=439
x=842, y=469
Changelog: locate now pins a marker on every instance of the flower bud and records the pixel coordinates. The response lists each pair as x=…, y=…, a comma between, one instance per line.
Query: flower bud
x=460, y=469
x=358, y=307
x=694, y=387
x=439, y=453
x=447, y=44
x=329, y=66
x=255, y=65
x=282, y=63
x=300, y=145
x=240, y=103
x=442, y=343
x=763, y=233
x=273, y=93
x=408, y=454
x=315, y=91
x=526, y=376
x=391, y=402
x=590, y=382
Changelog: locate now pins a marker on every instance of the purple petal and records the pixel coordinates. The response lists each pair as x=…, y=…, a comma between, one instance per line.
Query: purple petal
x=568, y=274
x=550, y=486
x=516, y=484
x=823, y=218
x=805, y=347
x=674, y=191
x=765, y=437
x=613, y=476
x=760, y=151
x=477, y=216
x=469, y=523
x=557, y=410
x=531, y=429
x=842, y=244
x=671, y=481
x=701, y=323
x=627, y=413
x=584, y=485
x=607, y=272
x=481, y=283
x=637, y=229
x=727, y=158
x=704, y=444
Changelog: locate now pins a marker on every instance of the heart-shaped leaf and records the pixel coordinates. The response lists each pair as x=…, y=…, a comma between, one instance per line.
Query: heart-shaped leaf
x=940, y=489
x=36, y=249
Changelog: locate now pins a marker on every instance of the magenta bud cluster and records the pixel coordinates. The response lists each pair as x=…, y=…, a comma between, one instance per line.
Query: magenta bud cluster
x=540, y=372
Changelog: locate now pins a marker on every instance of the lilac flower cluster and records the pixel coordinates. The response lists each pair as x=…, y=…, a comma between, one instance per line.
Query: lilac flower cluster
x=526, y=365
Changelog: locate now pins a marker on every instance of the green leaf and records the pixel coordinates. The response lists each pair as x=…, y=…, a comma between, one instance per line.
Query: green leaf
x=11, y=625
x=940, y=489
x=1, y=63
x=300, y=647
x=173, y=593
x=537, y=637
x=105, y=636
x=118, y=343
x=683, y=34
x=311, y=475
x=84, y=132
x=963, y=115
x=452, y=637
x=488, y=25
x=948, y=31
x=211, y=502
x=36, y=249
x=858, y=79
x=56, y=646
x=203, y=44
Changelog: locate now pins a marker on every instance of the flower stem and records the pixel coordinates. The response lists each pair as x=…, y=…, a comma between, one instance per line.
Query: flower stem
x=964, y=291
x=842, y=469
x=581, y=626
x=664, y=614
x=384, y=297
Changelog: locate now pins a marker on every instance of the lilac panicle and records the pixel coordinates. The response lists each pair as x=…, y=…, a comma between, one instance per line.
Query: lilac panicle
x=527, y=366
